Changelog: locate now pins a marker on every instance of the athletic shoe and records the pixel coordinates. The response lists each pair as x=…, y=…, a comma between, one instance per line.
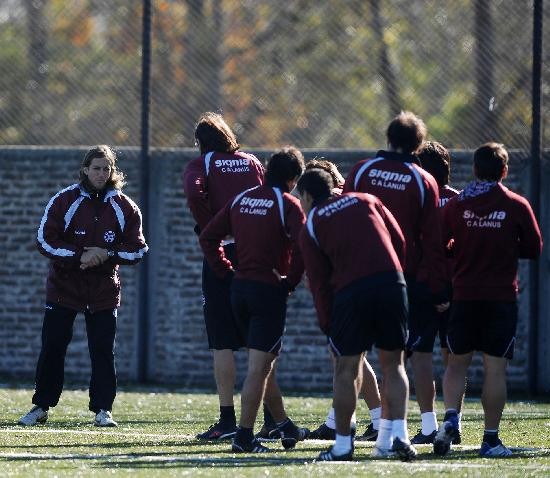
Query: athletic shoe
x=218, y=431
x=252, y=447
x=499, y=451
x=329, y=456
x=421, y=439
x=35, y=415
x=291, y=434
x=444, y=437
x=457, y=439
x=405, y=451
x=378, y=452
x=268, y=434
x=371, y=434
x=324, y=432
x=104, y=418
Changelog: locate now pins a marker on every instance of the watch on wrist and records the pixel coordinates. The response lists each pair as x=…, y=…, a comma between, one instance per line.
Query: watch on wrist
x=110, y=253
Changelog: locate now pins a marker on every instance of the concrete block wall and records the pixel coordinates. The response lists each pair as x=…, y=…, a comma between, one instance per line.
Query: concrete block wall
x=177, y=339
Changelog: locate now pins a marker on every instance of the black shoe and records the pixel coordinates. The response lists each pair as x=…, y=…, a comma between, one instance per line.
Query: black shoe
x=218, y=431
x=291, y=434
x=268, y=434
x=457, y=438
x=251, y=447
x=329, y=456
x=371, y=434
x=323, y=433
x=444, y=437
x=405, y=451
x=421, y=439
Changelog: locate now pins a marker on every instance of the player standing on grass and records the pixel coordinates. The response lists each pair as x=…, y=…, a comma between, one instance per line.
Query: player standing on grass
x=265, y=222
x=435, y=159
x=369, y=383
x=359, y=290
x=221, y=172
x=491, y=228
x=87, y=231
x=411, y=194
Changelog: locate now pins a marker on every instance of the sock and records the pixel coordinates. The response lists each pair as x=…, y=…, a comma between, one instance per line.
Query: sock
x=429, y=423
x=353, y=421
x=399, y=430
x=342, y=445
x=244, y=435
x=330, y=421
x=375, y=414
x=227, y=416
x=491, y=437
x=460, y=422
x=269, y=422
x=451, y=416
x=385, y=438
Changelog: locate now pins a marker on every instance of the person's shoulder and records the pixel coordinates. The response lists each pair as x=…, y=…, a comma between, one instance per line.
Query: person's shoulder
x=194, y=163
x=515, y=198
x=123, y=199
x=68, y=193
x=293, y=200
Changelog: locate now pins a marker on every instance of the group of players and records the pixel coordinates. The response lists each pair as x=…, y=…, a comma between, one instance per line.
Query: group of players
x=380, y=251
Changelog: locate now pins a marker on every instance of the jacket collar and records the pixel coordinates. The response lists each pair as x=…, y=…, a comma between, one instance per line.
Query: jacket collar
x=403, y=157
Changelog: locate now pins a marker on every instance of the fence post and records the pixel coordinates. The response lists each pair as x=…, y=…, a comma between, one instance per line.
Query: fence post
x=143, y=316
x=535, y=172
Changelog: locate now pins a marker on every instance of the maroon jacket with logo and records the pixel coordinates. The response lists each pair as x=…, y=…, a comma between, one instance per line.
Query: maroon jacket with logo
x=74, y=219
x=411, y=194
x=211, y=180
x=346, y=238
x=265, y=222
x=490, y=232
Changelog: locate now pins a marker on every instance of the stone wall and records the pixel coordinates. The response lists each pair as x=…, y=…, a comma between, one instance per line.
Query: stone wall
x=177, y=339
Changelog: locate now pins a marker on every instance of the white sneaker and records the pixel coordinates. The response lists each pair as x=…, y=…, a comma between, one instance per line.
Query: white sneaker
x=36, y=415
x=104, y=418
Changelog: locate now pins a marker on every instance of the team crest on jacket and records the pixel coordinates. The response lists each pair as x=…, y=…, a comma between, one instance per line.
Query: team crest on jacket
x=109, y=236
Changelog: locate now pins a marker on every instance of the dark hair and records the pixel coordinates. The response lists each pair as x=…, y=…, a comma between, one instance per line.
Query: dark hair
x=329, y=167
x=435, y=159
x=406, y=132
x=316, y=182
x=490, y=162
x=283, y=166
x=212, y=133
x=116, y=179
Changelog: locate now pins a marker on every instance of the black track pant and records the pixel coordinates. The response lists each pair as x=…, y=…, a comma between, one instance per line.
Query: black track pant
x=57, y=332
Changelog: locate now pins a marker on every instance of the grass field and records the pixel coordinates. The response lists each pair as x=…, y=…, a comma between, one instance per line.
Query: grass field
x=156, y=436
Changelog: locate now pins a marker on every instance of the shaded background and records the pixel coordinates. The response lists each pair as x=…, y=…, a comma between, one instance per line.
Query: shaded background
x=317, y=74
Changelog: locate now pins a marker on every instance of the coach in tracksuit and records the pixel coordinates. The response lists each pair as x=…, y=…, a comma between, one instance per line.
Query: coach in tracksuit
x=491, y=228
x=265, y=222
x=411, y=194
x=220, y=173
x=87, y=231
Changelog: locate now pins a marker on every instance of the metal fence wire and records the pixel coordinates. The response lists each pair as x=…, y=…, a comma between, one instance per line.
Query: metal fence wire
x=322, y=74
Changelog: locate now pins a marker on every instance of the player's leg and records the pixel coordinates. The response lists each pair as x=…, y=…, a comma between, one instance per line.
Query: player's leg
x=497, y=348
x=223, y=339
x=101, y=331
x=371, y=395
x=57, y=332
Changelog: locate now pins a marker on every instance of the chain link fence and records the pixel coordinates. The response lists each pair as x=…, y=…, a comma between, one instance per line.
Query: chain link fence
x=317, y=74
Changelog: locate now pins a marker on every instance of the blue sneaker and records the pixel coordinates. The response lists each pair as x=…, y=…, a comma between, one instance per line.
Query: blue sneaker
x=499, y=451
x=444, y=437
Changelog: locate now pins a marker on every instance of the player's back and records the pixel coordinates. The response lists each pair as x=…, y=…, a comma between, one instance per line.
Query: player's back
x=352, y=230
x=408, y=191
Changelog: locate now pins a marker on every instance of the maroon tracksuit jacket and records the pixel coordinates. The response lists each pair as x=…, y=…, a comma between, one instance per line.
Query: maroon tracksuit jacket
x=214, y=178
x=411, y=194
x=347, y=238
x=490, y=233
x=74, y=219
x=265, y=222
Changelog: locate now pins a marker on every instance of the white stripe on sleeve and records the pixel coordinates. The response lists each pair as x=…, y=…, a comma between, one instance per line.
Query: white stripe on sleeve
x=309, y=225
x=362, y=169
